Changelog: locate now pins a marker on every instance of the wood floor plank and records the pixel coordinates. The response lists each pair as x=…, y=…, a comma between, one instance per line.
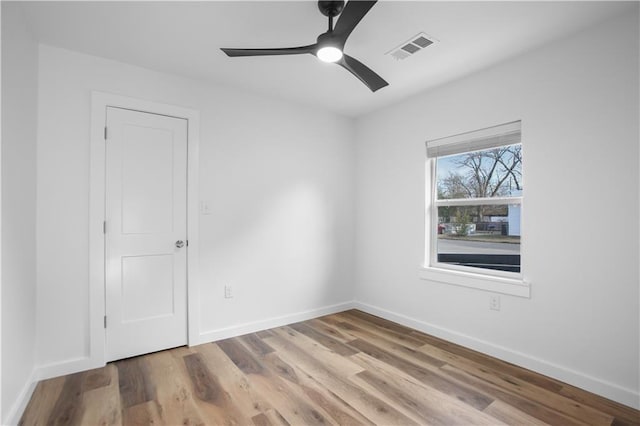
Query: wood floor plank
x=536, y=410
x=240, y=356
x=211, y=400
x=339, y=324
x=205, y=385
x=256, y=344
x=510, y=415
x=335, y=407
x=373, y=408
x=542, y=396
x=261, y=420
x=433, y=408
x=436, y=406
x=330, y=319
x=623, y=415
x=234, y=381
x=174, y=390
x=383, y=326
x=327, y=329
x=400, y=350
x=269, y=417
x=211, y=396
x=520, y=387
x=380, y=322
x=183, y=350
x=136, y=386
x=101, y=398
x=68, y=409
x=350, y=368
x=511, y=369
x=286, y=400
x=97, y=378
x=389, y=333
x=264, y=333
x=338, y=364
x=326, y=341
x=427, y=376
x=44, y=397
x=280, y=394
x=143, y=414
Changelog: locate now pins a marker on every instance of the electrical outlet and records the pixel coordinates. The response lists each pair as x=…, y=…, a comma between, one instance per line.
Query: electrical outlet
x=228, y=292
x=494, y=302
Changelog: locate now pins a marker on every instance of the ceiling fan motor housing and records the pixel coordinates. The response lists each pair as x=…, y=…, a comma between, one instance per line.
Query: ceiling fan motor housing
x=330, y=8
x=329, y=39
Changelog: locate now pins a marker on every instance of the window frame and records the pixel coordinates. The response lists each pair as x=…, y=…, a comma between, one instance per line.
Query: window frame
x=506, y=282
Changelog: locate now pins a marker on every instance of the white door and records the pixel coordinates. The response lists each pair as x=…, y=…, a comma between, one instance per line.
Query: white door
x=145, y=233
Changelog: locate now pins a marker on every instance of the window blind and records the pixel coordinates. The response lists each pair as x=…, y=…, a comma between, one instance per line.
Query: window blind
x=477, y=140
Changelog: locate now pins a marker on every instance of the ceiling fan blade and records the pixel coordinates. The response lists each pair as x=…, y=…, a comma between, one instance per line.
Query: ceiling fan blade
x=351, y=15
x=270, y=51
x=372, y=80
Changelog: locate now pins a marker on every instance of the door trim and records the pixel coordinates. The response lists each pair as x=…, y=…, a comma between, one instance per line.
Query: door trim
x=97, y=181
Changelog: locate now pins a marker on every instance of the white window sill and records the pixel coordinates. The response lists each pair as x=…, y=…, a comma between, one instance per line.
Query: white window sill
x=511, y=286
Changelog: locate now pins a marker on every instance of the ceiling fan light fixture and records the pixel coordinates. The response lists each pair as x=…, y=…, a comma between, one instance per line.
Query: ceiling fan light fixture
x=329, y=54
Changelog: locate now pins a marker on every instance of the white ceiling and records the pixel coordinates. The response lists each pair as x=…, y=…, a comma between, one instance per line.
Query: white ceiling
x=184, y=38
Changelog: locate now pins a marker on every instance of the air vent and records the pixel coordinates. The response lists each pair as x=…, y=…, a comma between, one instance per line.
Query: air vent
x=412, y=46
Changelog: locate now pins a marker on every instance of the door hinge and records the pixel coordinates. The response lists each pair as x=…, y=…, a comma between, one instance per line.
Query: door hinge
x=105, y=133
x=105, y=321
x=187, y=243
x=104, y=227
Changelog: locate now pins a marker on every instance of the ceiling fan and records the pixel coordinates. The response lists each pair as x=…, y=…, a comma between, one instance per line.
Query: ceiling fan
x=329, y=46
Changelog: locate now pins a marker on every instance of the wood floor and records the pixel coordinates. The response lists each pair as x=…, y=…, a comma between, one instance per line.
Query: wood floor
x=349, y=368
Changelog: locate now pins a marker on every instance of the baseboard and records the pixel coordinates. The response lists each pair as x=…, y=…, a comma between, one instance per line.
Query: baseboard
x=252, y=327
x=71, y=366
x=584, y=381
x=15, y=413
x=606, y=389
x=86, y=363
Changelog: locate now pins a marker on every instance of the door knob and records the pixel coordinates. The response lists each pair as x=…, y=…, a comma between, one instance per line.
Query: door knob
x=179, y=243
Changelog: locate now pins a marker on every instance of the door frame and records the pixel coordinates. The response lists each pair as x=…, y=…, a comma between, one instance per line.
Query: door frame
x=97, y=184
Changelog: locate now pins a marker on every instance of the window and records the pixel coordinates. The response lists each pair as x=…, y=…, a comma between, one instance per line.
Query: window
x=476, y=202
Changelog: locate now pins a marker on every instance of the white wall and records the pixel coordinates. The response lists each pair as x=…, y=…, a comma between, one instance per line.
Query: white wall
x=19, y=114
x=578, y=102
x=278, y=178
x=280, y=182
